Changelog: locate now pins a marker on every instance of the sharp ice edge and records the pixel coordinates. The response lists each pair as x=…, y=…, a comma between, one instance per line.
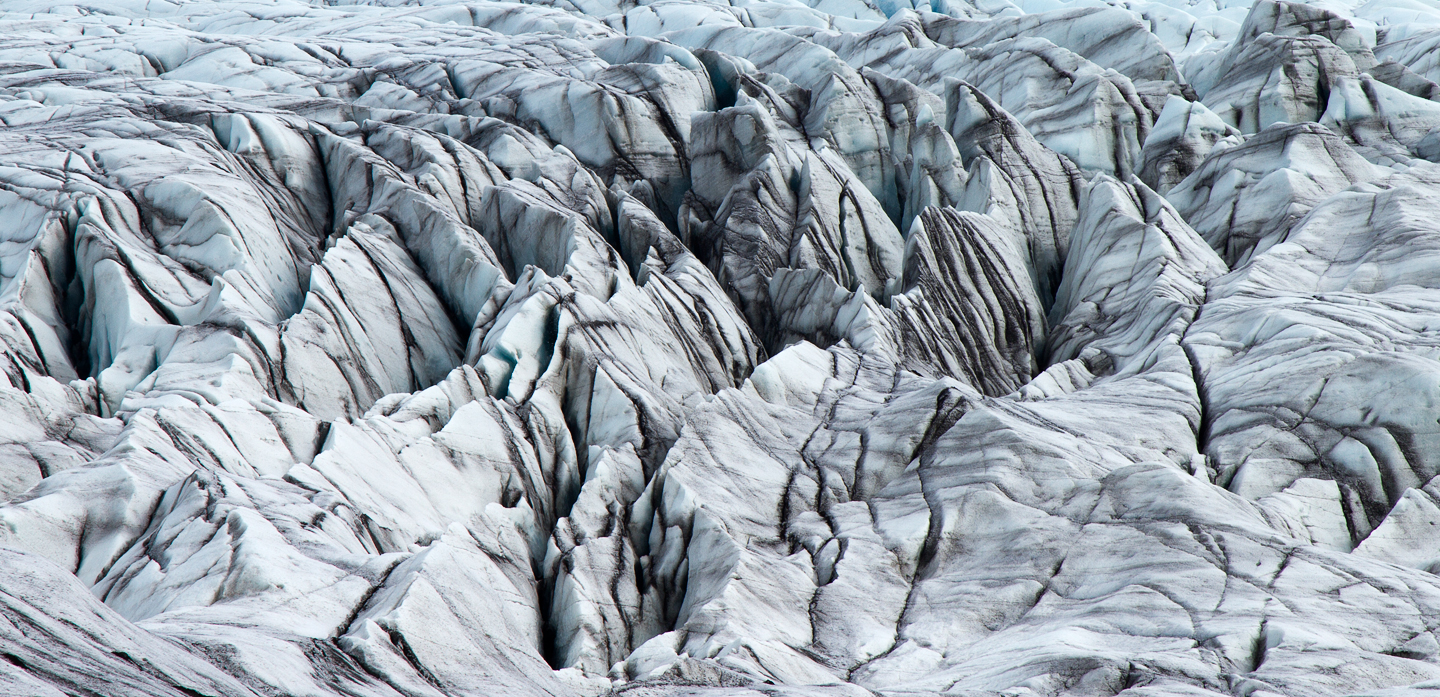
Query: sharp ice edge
x=811, y=347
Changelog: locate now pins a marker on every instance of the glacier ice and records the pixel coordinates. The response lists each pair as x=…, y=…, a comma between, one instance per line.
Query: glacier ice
x=719, y=347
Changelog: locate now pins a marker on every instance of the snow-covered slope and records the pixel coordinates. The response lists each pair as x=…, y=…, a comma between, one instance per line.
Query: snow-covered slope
x=708, y=347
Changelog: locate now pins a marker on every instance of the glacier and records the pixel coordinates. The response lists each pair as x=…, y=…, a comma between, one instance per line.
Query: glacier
x=719, y=348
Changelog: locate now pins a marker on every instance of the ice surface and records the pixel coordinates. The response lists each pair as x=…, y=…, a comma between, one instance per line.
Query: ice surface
x=719, y=347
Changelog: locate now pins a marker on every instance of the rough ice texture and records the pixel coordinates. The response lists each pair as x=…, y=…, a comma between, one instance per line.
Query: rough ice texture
x=719, y=348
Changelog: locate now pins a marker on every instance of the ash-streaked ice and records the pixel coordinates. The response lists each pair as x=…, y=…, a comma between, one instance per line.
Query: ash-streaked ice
x=719, y=348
